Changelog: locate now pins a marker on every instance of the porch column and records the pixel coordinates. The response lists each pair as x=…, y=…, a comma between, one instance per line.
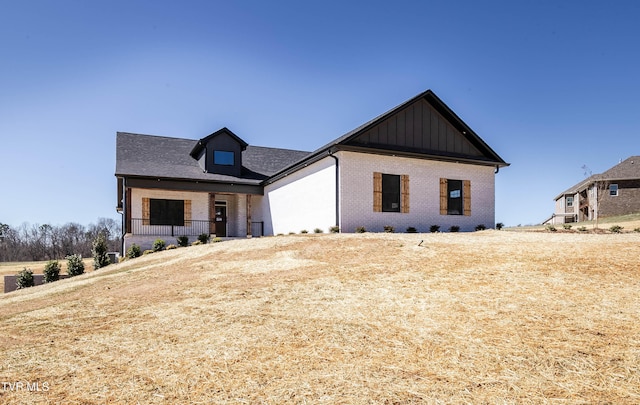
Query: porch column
x=212, y=213
x=248, y=214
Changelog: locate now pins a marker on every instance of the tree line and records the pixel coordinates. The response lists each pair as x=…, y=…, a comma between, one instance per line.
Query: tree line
x=33, y=242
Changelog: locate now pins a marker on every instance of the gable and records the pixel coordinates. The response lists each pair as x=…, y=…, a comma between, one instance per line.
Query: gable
x=419, y=128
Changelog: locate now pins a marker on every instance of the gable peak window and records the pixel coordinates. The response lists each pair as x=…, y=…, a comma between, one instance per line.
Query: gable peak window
x=223, y=157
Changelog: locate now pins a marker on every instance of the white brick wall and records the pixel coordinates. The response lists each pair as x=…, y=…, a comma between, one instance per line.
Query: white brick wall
x=303, y=200
x=356, y=193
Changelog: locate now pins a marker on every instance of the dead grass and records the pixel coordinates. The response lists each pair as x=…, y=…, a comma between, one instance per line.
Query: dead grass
x=487, y=317
x=13, y=268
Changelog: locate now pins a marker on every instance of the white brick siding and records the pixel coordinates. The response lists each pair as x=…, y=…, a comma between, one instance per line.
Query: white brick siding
x=303, y=200
x=356, y=193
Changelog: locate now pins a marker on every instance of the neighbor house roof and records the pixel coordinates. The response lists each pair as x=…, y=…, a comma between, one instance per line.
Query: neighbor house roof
x=153, y=156
x=629, y=169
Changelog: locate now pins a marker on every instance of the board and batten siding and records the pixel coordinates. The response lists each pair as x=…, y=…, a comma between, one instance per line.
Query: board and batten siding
x=303, y=200
x=424, y=196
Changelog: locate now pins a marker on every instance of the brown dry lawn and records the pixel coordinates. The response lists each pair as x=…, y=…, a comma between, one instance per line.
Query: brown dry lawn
x=487, y=317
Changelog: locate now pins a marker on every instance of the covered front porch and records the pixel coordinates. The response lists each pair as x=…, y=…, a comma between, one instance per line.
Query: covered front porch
x=169, y=214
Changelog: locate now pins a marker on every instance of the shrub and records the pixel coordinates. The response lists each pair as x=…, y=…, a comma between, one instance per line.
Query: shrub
x=133, y=251
x=183, y=241
x=389, y=229
x=290, y=233
x=582, y=229
x=196, y=243
x=551, y=228
x=361, y=229
x=172, y=246
x=99, y=251
x=318, y=230
x=411, y=229
x=159, y=245
x=566, y=226
x=51, y=271
x=434, y=228
x=304, y=231
x=499, y=226
x=636, y=230
x=204, y=238
x=616, y=229
x=24, y=279
x=454, y=228
x=147, y=252
x=216, y=240
x=480, y=227
x=334, y=229
x=75, y=265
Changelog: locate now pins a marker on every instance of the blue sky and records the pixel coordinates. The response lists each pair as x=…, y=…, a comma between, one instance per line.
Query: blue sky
x=549, y=85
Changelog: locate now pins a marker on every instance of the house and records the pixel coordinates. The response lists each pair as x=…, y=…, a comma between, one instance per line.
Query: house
x=614, y=192
x=416, y=165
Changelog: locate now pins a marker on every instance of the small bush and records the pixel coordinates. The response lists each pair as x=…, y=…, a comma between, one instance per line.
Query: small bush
x=566, y=226
x=318, y=230
x=159, y=245
x=183, y=241
x=51, y=271
x=454, y=228
x=99, y=251
x=411, y=229
x=147, y=252
x=133, y=251
x=361, y=229
x=551, y=228
x=499, y=226
x=172, y=246
x=24, y=279
x=304, y=231
x=616, y=229
x=582, y=229
x=636, y=230
x=290, y=233
x=480, y=227
x=75, y=265
x=334, y=229
x=389, y=229
x=196, y=243
x=204, y=238
x=216, y=240
x=434, y=228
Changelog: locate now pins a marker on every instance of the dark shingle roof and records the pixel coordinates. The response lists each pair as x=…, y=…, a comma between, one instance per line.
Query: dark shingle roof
x=169, y=158
x=629, y=169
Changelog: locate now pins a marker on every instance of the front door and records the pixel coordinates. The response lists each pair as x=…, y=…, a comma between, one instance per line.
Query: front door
x=221, y=220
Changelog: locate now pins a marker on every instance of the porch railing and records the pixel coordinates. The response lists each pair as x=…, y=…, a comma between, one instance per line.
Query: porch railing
x=193, y=227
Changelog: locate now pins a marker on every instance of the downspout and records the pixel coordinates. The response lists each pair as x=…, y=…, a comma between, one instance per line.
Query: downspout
x=497, y=169
x=123, y=228
x=337, y=188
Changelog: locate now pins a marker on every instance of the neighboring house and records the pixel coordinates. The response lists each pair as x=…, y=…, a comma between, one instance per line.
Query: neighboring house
x=416, y=165
x=614, y=192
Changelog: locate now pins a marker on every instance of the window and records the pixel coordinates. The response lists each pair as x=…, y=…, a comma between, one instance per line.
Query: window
x=222, y=157
x=166, y=212
x=454, y=202
x=569, y=201
x=390, y=192
x=613, y=190
x=455, y=197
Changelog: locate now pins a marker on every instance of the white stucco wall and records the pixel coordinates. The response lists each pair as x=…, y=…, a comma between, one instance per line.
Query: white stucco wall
x=303, y=200
x=356, y=193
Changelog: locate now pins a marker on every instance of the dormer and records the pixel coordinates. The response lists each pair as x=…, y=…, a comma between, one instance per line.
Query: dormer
x=220, y=153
